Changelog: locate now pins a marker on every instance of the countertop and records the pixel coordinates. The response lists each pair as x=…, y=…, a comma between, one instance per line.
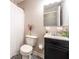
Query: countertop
x=56, y=37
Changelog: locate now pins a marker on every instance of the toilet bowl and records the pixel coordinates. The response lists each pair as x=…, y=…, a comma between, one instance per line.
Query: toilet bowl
x=26, y=49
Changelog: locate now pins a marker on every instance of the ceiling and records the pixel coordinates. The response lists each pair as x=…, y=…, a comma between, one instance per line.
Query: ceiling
x=17, y=1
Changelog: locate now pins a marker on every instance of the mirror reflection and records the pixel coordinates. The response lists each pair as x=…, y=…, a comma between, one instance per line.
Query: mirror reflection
x=54, y=14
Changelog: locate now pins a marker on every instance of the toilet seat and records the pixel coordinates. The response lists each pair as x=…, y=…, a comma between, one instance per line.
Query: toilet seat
x=26, y=49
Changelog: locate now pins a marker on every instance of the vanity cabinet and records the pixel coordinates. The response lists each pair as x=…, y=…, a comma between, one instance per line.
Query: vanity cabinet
x=56, y=49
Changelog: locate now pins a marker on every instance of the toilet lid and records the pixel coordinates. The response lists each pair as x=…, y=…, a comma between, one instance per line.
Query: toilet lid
x=26, y=48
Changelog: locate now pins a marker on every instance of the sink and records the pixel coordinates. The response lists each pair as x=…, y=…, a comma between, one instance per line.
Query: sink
x=47, y=35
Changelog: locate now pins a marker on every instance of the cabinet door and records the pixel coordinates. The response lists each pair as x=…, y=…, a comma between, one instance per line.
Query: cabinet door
x=54, y=51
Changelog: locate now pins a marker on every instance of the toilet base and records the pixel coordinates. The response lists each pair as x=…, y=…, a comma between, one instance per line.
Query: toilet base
x=27, y=57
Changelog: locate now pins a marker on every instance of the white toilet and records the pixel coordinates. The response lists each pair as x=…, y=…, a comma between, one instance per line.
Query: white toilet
x=26, y=49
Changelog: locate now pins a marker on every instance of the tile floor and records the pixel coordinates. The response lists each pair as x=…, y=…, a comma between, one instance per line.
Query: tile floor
x=20, y=57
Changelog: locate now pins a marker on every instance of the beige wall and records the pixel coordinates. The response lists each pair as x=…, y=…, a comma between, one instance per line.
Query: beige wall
x=34, y=16
x=65, y=13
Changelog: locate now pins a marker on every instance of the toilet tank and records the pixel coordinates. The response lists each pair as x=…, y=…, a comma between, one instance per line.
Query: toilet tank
x=30, y=40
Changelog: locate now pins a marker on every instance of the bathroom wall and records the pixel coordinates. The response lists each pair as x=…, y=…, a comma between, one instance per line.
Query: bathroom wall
x=34, y=15
x=17, y=29
x=65, y=13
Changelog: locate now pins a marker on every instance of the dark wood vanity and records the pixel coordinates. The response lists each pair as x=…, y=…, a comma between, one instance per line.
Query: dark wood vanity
x=56, y=49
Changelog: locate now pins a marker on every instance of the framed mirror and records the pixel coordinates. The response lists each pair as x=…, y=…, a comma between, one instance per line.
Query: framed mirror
x=53, y=14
